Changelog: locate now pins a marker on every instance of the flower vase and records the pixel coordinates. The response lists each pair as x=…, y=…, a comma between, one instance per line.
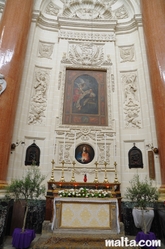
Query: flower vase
x=143, y=218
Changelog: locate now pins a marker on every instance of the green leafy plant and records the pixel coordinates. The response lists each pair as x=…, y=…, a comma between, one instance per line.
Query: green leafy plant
x=143, y=195
x=142, y=192
x=27, y=190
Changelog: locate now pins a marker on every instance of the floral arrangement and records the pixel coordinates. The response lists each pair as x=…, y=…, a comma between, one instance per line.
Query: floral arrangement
x=142, y=192
x=84, y=192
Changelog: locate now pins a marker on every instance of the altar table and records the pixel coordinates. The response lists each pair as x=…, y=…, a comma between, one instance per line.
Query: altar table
x=86, y=213
x=22, y=240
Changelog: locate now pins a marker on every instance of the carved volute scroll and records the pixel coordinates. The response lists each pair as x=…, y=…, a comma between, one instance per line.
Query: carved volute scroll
x=2, y=83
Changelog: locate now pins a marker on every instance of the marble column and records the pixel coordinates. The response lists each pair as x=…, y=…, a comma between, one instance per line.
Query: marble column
x=14, y=29
x=153, y=14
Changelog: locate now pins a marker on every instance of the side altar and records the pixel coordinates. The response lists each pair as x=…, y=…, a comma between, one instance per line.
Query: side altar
x=54, y=187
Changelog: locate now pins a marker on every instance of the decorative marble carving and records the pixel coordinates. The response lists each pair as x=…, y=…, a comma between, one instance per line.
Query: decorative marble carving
x=52, y=9
x=86, y=54
x=87, y=36
x=2, y=83
x=39, y=98
x=59, y=80
x=45, y=50
x=121, y=13
x=84, y=135
x=127, y=54
x=90, y=9
x=131, y=102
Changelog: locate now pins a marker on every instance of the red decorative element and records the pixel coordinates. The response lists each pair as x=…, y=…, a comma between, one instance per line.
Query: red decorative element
x=85, y=178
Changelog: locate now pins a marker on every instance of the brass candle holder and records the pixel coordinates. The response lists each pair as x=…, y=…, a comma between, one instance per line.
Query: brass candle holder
x=52, y=175
x=73, y=177
x=105, y=178
x=116, y=179
x=96, y=178
x=62, y=172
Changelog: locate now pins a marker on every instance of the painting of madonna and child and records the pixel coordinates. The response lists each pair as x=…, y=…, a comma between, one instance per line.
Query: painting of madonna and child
x=85, y=98
x=84, y=153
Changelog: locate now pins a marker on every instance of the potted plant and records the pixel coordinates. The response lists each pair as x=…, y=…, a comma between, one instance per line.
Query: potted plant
x=27, y=191
x=143, y=195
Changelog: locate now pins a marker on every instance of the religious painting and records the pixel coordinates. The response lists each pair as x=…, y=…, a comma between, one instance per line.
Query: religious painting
x=32, y=155
x=85, y=101
x=84, y=153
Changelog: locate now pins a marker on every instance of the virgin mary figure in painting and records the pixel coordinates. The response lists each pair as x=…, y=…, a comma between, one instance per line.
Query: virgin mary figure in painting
x=85, y=94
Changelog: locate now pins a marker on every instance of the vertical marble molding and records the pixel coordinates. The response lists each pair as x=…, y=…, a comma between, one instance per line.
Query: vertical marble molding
x=14, y=29
x=153, y=14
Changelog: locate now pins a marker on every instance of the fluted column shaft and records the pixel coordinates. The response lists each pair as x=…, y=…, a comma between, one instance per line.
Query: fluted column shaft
x=153, y=14
x=14, y=29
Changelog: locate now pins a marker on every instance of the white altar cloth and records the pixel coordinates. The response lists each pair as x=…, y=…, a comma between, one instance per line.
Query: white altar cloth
x=84, y=213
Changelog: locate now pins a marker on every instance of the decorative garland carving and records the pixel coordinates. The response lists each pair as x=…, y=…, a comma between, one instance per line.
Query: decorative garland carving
x=131, y=102
x=86, y=54
x=39, y=98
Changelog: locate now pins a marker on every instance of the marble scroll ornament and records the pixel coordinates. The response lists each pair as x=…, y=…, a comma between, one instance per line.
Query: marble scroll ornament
x=2, y=83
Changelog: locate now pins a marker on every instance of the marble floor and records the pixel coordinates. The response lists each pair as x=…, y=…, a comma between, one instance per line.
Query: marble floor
x=8, y=242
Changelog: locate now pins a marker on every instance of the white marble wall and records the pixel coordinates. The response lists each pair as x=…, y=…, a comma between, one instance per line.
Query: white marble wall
x=118, y=35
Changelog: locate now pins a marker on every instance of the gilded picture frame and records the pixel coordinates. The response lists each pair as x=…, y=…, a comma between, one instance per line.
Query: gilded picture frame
x=85, y=98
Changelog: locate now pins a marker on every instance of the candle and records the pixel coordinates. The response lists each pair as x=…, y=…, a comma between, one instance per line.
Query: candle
x=115, y=149
x=54, y=137
x=105, y=145
x=54, y=142
x=96, y=146
x=74, y=144
x=64, y=146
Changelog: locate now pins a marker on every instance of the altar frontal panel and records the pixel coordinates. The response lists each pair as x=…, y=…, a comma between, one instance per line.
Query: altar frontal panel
x=86, y=215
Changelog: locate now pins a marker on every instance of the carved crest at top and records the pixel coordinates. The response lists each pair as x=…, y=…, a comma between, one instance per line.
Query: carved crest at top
x=85, y=54
x=88, y=9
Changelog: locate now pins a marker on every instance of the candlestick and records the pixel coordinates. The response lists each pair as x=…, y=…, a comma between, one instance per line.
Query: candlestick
x=52, y=175
x=105, y=178
x=73, y=178
x=116, y=179
x=96, y=178
x=62, y=175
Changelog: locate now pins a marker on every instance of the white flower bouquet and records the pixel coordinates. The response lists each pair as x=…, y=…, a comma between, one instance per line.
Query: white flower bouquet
x=84, y=192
